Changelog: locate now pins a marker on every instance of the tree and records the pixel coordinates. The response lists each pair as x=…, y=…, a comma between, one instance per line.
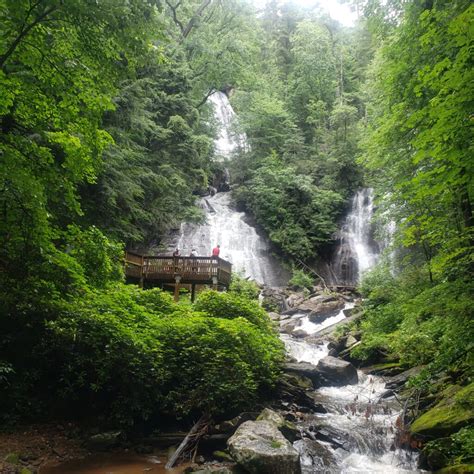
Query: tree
x=420, y=132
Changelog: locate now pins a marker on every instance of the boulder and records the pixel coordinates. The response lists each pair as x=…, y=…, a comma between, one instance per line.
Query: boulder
x=454, y=411
x=336, y=372
x=260, y=448
x=274, y=299
x=104, y=441
x=299, y=333
x=400, y=379
x=321, y=310
x=272, y=416
x=295, y=299
x=290, y=312
x=289, y=326
x=348, y=312
x=287, y=428
x=305, y=369
x=315, y=457
x=274, y=316
x=292, y=390
x=350, y=341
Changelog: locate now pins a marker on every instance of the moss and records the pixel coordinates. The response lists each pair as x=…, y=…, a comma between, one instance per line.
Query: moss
x=12, y=458
x=454, y=411
x=222, y=455
x=276, y=444
x=458, y=469
x=25, y=470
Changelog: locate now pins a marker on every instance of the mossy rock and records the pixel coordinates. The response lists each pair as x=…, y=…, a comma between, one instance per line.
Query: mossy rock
x=24, y=470
x=222, y=456
x=299, y=381
x=455, y=410
x=12, y=458
x=385, y=368
x=458, y=469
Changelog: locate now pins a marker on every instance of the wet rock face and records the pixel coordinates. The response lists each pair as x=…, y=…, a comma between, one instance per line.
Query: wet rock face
x=315, y=457
x=305, y=369
x=337, y=372
x=260, y=448
x=321, y=304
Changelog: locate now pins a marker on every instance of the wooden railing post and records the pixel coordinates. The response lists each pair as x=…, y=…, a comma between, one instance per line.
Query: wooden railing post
x=177, y=280
x=142, y=277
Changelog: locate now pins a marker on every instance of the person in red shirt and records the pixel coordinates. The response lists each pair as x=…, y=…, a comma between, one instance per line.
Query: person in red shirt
x=216, y=251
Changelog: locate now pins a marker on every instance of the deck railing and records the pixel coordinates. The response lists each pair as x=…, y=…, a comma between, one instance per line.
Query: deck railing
x=211, y=270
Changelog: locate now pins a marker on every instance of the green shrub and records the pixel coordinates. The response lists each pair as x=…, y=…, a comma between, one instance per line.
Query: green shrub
x=231, y=306
x=457, y=449
x=302, y=280
x=126, y=354
x=215, y=364
x=155, y=300
x=247, y=288
x=418, y=322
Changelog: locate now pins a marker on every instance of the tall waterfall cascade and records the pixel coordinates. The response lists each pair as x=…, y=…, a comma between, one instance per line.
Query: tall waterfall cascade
x=239, y=242
x=227, y=141
x=357, y=251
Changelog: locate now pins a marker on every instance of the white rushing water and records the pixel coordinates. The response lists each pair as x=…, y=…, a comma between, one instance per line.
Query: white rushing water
x=358, y=432
x=357, y=250
x=239, y=242
x=357, y=417
x=227, y=141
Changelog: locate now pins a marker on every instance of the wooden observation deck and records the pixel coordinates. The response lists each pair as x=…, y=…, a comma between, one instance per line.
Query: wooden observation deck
x=178, y=271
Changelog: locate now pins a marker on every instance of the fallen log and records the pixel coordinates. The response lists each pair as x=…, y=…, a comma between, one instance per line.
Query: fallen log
x=199, y=429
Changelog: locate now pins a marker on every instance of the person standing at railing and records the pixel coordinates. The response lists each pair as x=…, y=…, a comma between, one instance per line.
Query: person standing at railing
x=176, y=255
x=216, y=251
x=194, y=263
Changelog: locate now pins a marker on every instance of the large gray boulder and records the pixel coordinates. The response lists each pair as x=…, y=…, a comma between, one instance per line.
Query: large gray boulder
x=337, y=372
x=295, y=299
x=320, y=303
x=304, y=369
x=260, y=448
x=286, y=428
x=289, y=326
x=326, y=310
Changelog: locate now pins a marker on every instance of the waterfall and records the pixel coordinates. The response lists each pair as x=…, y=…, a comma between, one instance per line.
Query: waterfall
x=240, y=243
x=357, y=250
x=227, y=142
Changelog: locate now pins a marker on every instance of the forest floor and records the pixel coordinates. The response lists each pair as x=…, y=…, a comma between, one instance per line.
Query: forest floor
x=32, y=446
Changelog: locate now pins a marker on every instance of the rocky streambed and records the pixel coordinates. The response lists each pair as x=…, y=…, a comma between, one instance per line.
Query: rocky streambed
x=327, y=416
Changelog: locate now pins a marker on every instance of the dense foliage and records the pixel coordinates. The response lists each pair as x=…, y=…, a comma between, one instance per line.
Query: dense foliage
x=418, y=307
x=126, y=355
x=105, y=141
x=300, y=117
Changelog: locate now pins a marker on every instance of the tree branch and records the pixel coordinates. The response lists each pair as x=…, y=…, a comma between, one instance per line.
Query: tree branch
x=24, y=31
x=195, y=17
x=203, y=101
x=175, y=16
